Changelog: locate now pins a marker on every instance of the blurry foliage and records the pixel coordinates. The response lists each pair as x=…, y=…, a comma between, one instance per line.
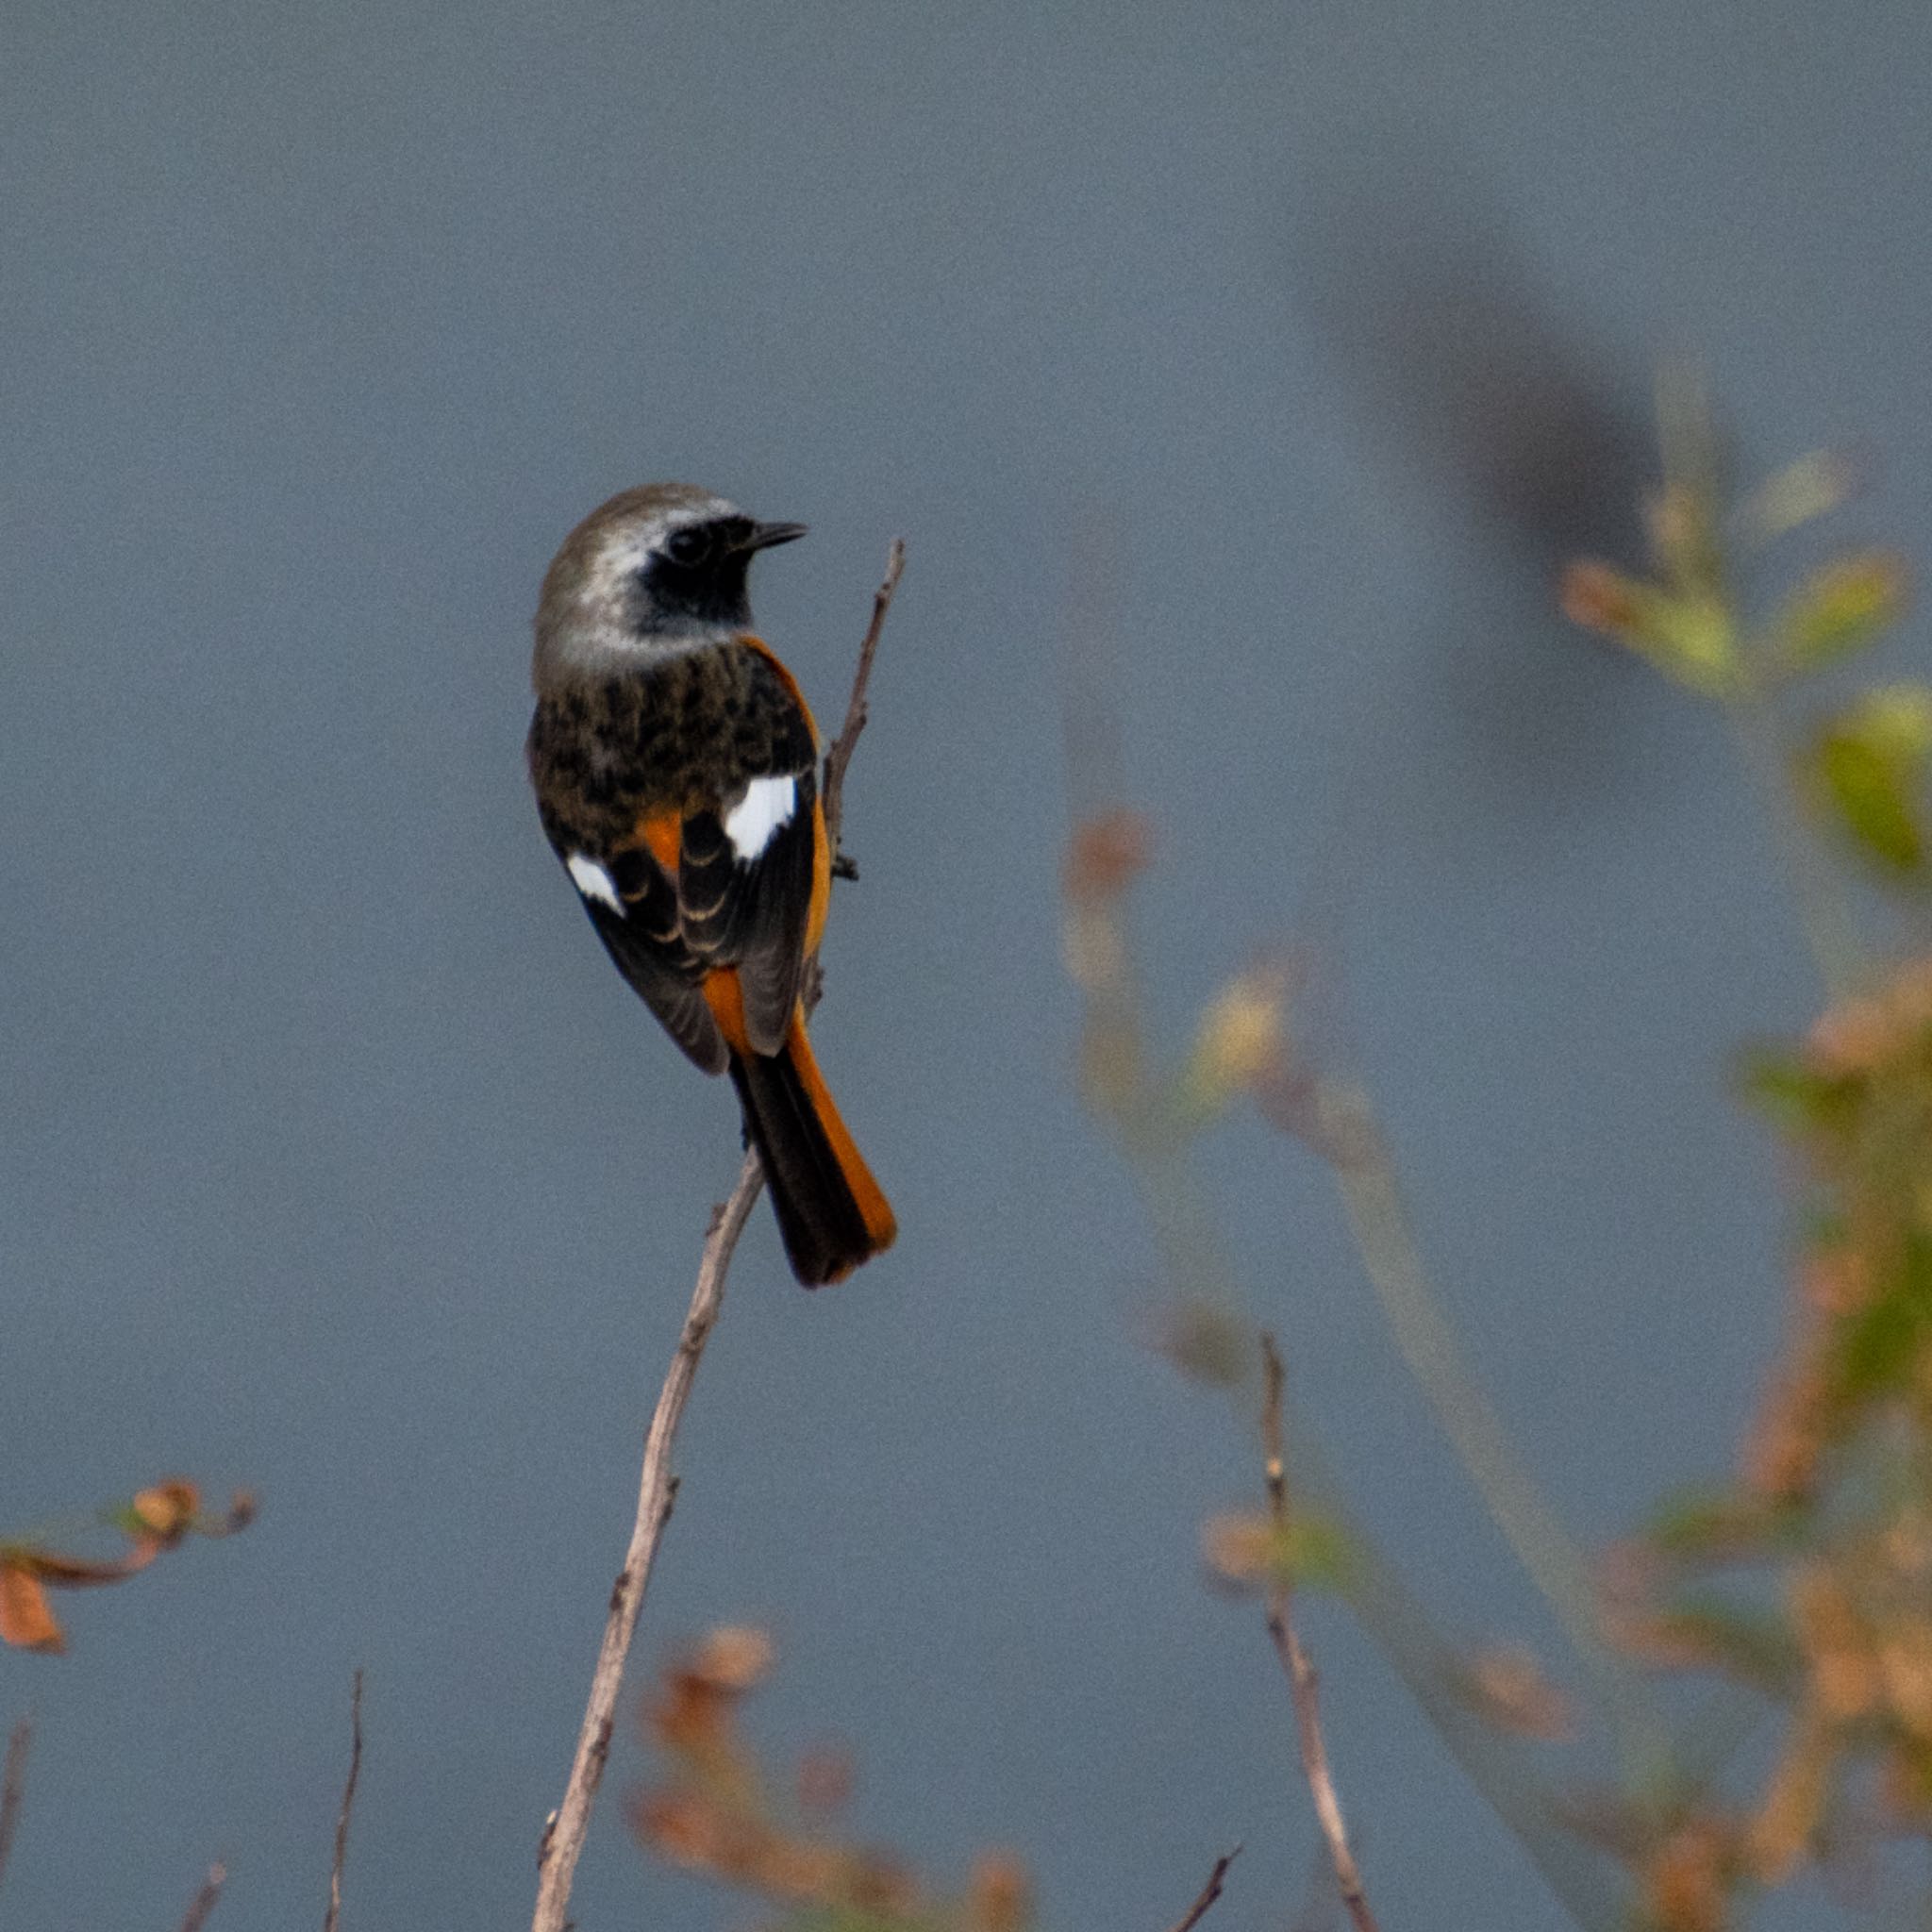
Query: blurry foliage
x=1801, y=1587
x=1807, y=1581
x=1866, y=768
x=1491, y=1703
x=1245, y=1549
x=1862, y=766
x=713, y=1808
x=155, y=1520
x=1686, y=616
x=1507, y=1687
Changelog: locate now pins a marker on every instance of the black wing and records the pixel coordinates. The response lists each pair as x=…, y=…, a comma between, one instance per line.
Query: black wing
x=642, y=935
x=745, y=877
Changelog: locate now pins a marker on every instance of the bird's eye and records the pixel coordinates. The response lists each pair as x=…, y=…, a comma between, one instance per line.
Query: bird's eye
x=688, y=547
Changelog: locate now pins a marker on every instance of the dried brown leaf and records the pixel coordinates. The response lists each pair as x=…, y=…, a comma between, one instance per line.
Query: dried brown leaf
x=1509, y=1690
x=1105, y=853
x=26, y=1619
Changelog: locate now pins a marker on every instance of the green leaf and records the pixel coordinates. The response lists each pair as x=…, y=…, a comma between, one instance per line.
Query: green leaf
x=1879, y=1345
x=1248, y=1549
x=1873, y=804
x=1898, y=718
x=1868, y=766
x=1841, y=609
x=1720, y=1526
x=1687, y=635
x=1812, y=487
x=1795, y=1097
x=1755, y=1647
x=1315, y=1549
x=1700, y=645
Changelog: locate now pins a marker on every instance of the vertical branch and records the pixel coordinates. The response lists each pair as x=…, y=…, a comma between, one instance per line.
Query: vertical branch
x=1203, y=1901
x=13, y=1787
x=563, y=1837
x=839, y=755
x=1301, y=1684
x=203, y=1903
x=341, y=1851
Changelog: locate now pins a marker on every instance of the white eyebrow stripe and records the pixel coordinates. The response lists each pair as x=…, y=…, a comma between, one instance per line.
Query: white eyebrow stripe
x=763, y=811
x=593, y=882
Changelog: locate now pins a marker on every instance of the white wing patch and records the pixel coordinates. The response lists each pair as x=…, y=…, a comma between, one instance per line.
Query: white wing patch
x=765, y=808
x=593, y=882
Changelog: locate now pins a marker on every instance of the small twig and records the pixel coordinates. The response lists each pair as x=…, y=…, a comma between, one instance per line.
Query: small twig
x=563, y=1836
x=203, y=1903
x=839, y=755
x=12, y=1787
x=1209, y=1892
x=334, y=1870
x=1302, y=1682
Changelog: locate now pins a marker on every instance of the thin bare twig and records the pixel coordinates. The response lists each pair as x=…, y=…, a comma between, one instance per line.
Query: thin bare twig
x=203, y=1903
x=563, y=1836
x=13, y=1787
x=341, y=1852
x=1209, y=1892
x=1302, y=1683
x=839, y=755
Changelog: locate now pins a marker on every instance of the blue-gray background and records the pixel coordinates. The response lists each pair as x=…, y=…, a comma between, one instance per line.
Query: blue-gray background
x=338, y=1162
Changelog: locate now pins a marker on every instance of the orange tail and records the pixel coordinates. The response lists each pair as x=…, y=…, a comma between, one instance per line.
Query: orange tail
x=830, y=1210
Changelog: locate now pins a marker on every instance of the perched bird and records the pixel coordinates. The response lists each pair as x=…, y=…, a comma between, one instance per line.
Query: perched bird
x=676, y=772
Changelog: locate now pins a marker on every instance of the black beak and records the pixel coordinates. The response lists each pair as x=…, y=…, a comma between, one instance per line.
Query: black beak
x=764, y=535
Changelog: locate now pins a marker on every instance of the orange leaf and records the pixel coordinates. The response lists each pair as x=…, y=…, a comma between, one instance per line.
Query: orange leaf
x=26, y=1619
x=1507, y=1685
x=168, y=1510
x=1001, y=1895
x=1603, y=599
x=1105, y=853
x=732, y=1657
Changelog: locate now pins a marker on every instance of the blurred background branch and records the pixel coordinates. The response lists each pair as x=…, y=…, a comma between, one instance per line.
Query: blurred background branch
x=201, y=1907
x=13, y=1787
x=1835, y=1496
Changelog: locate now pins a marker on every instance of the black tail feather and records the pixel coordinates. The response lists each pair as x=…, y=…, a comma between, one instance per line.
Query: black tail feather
x=820, y=1219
